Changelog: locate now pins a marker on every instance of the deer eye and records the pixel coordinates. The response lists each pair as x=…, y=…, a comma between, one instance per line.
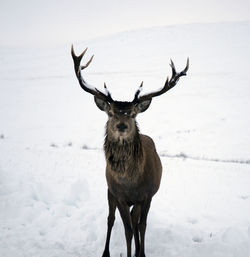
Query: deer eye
x=110, y=114
x=133, y=115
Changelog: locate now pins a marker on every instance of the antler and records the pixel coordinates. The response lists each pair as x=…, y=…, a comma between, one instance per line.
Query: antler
x=168, y=84
x=84, y=85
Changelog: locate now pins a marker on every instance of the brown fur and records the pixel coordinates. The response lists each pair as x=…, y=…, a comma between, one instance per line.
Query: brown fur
x=132, y=166
x=133, y=174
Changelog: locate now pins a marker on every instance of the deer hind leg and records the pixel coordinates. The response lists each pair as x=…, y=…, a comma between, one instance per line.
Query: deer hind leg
x=111, y=220
x=127, y=222
x=143, y=224
x=135, y=215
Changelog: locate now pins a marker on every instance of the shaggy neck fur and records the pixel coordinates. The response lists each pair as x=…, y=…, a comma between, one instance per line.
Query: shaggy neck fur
x=123, y=155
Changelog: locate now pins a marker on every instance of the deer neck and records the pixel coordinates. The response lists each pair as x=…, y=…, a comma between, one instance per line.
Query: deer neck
x=123, y=155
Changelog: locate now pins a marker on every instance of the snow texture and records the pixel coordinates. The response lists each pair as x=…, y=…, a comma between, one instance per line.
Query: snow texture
x=52, y=179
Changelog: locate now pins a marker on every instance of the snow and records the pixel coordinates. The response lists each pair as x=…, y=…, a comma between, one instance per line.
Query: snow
x=52, y=180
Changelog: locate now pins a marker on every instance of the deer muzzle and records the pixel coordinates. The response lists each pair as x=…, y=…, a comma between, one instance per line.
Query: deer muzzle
x=121, y=127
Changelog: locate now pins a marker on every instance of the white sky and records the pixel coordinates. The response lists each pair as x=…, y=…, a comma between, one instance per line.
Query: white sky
x=47, y=22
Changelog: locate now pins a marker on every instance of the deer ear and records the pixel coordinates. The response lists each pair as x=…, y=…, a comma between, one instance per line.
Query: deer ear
x=143, y=106
x=102, y=104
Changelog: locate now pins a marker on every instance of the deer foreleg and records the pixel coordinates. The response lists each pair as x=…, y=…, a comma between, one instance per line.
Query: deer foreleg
x=111, y=220
x=143, y=224
x=135, y=215
x=127, y=222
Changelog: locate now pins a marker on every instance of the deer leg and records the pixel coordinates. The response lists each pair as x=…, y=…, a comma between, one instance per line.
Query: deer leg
x=143, y=224
x=111, y=219
x=126, y=218
x=135, y=215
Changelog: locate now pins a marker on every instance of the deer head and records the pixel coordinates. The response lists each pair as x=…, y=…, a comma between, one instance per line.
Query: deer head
x=121, y=123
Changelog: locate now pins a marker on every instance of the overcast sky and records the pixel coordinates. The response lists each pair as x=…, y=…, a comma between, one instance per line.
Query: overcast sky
x=51, y=22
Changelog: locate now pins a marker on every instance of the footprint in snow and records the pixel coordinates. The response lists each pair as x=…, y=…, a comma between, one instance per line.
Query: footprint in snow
x=53, y=145
x=192, y=220
x=197, y=239
x=245, y=197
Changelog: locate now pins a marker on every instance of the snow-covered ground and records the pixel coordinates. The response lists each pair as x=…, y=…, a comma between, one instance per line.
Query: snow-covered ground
x=52, y=181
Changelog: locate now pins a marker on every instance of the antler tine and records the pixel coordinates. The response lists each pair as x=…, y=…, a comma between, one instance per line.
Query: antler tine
x=168, y=84
x=77, y=59
x=187, y=67
x=137, y=93
x=175, y=76
x=84, y=85
x=173, y=67
x=108, y=93
x=87, y=64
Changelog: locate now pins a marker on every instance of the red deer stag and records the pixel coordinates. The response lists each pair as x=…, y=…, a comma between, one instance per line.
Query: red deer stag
x=133, y=169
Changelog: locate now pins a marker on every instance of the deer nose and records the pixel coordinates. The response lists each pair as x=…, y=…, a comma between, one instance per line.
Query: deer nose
x=121, y=127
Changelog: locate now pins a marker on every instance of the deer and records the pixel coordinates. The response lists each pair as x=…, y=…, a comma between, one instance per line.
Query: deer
x=133, y=167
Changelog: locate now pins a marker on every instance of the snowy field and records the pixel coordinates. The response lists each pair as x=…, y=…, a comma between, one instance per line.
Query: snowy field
x=52, y=180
